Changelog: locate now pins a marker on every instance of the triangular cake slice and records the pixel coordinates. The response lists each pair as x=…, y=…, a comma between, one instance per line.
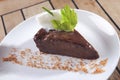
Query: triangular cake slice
x=65, y=43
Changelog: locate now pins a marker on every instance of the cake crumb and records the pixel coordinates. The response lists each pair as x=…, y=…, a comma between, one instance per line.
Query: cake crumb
x=37, y=59
x=98, y=70
x=28, y=50
x=84, y=69
x=12, y=58
x=22, y=54
x=104, y=62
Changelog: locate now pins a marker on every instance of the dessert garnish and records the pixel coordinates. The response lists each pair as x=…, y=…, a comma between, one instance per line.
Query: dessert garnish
x=36, y=59
x=68, y=19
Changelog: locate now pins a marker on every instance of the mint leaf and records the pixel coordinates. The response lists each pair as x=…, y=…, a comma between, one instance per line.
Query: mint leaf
x=69, y=18
x=48, y=11
x=56, y=24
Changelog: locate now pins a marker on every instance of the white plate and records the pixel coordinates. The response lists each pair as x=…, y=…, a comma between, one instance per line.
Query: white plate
x=94, y=28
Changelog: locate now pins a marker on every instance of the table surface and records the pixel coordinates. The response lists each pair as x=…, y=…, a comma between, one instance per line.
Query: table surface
x=13, y=12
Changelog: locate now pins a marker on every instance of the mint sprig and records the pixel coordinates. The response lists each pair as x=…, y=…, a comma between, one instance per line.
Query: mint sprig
x=68, y=19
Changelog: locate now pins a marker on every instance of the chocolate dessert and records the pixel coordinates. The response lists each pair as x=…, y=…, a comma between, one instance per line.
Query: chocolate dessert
x=64, y=43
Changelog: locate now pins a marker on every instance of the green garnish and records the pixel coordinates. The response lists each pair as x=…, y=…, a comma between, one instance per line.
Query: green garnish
x=68, y=20
x=48, y=11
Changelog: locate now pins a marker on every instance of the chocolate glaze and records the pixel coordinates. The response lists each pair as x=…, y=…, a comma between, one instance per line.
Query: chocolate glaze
x=65, y=43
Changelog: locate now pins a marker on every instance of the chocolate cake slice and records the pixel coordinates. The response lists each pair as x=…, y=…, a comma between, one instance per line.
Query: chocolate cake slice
x=64, y=43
